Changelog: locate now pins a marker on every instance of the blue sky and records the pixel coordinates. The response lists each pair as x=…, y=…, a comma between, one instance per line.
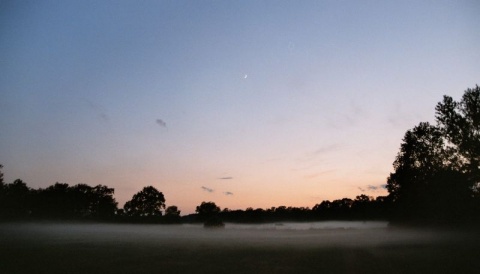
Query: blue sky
x=265, y=103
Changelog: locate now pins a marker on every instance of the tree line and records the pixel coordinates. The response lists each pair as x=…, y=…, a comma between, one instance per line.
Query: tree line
x=81, y=202
x=436, y=179
x=61, y=201
x=363, y=207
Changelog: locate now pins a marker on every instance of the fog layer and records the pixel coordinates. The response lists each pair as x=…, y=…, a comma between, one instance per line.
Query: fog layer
x=327, y=247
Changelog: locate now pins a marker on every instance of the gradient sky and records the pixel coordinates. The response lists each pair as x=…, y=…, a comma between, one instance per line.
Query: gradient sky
x=244, y=103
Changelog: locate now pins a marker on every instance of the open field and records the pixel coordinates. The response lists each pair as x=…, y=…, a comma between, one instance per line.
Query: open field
x=111, y=248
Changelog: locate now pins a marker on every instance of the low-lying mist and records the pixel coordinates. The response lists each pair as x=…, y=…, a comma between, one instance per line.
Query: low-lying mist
x=332, y=247
x=312, y=234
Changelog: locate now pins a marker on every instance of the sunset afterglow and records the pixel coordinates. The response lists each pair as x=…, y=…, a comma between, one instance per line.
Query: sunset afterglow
x=244, y=103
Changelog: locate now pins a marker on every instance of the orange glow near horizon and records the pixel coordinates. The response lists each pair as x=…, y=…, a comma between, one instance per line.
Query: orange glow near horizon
x=133, y=96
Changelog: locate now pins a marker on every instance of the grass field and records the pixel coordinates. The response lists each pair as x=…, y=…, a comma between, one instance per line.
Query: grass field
x=111, y=248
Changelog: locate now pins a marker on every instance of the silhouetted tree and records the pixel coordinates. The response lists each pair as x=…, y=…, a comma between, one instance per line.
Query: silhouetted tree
x=2, y=194
x=15, y=200
x=437, y=169
x=421, y=155
x=103, y=204
x=58, y=201
x=146, y=203
x=81, y=197
x=341, y=208
x=459, y=123
x=1, y=177
x=207, y=209
x=208, y=212
x=322, y=210
x=172, y=214
x=61, y=201
x=55, y=201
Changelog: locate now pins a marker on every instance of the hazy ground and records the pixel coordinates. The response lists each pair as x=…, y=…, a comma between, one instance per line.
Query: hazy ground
x=332, y=247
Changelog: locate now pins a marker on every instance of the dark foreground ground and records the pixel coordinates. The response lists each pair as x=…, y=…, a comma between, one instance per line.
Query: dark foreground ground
x=108, y=248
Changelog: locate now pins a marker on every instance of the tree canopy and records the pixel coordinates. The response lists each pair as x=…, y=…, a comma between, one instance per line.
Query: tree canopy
x=207, y=209
x=146, y=203
x=436, y=172
x=459, y=123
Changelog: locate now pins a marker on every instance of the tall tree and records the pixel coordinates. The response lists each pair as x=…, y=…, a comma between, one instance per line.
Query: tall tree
x=460, y=124
x=146, y=203
x=103, y=204
x=421, y=155
x=92, y=202
x=437, y=167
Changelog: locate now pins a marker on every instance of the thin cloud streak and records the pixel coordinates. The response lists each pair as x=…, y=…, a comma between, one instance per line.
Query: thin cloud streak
x=327, y=149
x=319, y=153
x=317, y=174
x=99, y=110
x=373, y=188
x=207, y=189
x=161, y=123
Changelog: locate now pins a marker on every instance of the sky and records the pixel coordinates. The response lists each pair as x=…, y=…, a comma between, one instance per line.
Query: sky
x=244, y=103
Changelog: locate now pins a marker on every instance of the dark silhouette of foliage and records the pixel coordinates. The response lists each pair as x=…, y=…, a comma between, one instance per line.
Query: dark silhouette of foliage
x=436, y=175
x=337, y=209
x=362, y=208
x=459, y=123
x=146, y=203
x=207, y=209
x=15, y=200
x=172, y=215
x=83, y=202
x=208, y=212
x=1, y=177
x=55, y=202
x=420, y=158
x=103, y=205
x=61, y=201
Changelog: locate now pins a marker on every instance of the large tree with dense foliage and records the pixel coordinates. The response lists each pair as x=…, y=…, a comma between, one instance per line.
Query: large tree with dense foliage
x=146, y=203
x=208, y=213
x=460, y=124
x=437, y=168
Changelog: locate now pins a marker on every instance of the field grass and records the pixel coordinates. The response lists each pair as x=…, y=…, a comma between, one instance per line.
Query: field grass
x=108, y=248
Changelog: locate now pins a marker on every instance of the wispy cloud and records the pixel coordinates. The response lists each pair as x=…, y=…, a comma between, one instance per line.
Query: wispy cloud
x=225, y=178
x=317, y=174
x=98, y=109
x=401, y=117
x=327, y=149
x=373, y=188
x=207, y=189
x=161, y=123
x=350, y=116
x=228, y=193
x=320, y=153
